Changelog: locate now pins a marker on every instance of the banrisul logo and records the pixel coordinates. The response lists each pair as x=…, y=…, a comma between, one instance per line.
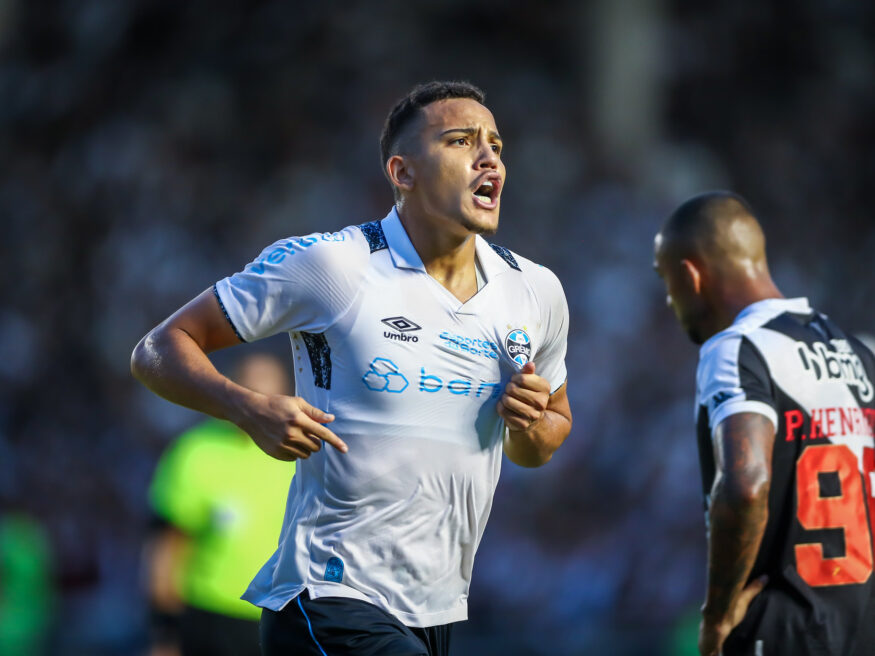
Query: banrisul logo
x=383, y=376
x=401, y=326
x=518, y=346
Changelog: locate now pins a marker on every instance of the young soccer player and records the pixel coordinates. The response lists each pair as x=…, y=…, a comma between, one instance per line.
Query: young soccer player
x=421, y=352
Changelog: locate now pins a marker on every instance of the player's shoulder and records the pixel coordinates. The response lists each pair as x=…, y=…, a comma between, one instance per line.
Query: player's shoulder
x=719, y=353
x=537, y=275
x=345, y=249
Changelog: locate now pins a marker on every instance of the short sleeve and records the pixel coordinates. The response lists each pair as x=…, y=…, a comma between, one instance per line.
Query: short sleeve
x=300, y=283
x=175, y=494
x=734, y=378
x=550, y=357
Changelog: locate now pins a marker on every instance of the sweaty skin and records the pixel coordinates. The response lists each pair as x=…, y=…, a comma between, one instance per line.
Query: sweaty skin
x=738, y=514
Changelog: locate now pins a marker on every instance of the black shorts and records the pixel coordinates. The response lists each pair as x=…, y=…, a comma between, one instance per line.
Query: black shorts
x=337, y=626
x=202, y=633
x=783, y=620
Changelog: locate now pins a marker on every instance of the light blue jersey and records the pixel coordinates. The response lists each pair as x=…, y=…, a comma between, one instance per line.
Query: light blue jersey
x=413, y=377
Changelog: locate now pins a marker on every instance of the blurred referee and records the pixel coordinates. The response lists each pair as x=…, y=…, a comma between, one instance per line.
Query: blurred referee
x=214, y=495
x=785, y=431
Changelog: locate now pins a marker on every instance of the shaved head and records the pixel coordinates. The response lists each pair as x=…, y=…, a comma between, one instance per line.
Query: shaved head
x=711, y=254
x=719, y=230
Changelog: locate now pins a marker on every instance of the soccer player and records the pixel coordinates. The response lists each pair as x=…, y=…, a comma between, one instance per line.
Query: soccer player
x=785, y=431
x=215, y=494
x=421, y=352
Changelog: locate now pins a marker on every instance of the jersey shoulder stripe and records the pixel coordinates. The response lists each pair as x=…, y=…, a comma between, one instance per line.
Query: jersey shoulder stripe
x=505, y=255
x=227, y=316
x=373, y=232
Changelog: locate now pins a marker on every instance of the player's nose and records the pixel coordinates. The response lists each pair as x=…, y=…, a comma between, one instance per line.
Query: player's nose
x=487, y=157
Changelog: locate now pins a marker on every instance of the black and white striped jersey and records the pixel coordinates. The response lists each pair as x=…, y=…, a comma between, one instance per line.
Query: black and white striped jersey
x=795, y=366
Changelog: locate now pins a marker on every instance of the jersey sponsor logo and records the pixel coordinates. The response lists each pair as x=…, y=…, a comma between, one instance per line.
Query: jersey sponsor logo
x=383, y=375
x=459, y=386
x=402, y=325
x=518, y=346
x=839, y=364
x=291, y=247
x=472, y=345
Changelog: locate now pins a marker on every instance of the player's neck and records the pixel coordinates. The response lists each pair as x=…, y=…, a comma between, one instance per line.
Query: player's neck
x=448, y=255
x=738, y=296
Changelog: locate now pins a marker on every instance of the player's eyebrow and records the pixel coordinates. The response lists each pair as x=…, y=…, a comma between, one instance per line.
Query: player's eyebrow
x=492, y=134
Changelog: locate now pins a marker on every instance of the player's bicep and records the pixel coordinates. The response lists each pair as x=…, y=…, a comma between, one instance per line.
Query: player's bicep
x=743, y=445
x=204, y=320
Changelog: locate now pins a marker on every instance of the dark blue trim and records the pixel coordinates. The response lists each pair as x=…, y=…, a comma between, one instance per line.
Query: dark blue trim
x=309, y=626
x=373, y=232
x=320, y=358
x=225, y=312
x=506, y=255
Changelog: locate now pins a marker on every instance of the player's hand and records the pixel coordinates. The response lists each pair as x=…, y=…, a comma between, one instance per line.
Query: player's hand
x=712, y=635
x=287, y=427
x=525, y=399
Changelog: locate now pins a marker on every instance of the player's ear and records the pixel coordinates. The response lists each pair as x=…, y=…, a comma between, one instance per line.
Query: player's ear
x=400, y=171
x=692, y=275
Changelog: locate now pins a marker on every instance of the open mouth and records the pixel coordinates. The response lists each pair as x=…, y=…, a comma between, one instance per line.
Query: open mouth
x=486, y=195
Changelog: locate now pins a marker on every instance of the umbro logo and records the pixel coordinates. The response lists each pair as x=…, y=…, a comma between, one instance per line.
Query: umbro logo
x=402, y=325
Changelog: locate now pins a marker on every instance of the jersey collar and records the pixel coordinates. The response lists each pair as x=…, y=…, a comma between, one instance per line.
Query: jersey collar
x=772, y=307
x=760, y=313
x=400, y=247
x=404, y=255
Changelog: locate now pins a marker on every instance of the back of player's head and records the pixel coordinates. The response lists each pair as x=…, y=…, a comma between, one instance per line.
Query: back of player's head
x=408, y=108
x=717, y=229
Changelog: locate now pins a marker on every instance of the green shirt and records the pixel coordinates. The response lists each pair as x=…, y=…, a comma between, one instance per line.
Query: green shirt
x=228, y=496
x=26, y=593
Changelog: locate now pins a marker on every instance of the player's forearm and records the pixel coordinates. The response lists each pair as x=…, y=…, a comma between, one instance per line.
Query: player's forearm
x=535, y=446
x=172, y=364
x=738, y=515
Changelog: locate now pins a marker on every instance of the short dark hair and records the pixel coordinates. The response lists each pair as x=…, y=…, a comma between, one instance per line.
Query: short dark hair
x=406, y=109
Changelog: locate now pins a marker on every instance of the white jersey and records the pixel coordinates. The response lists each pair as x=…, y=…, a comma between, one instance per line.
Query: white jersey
x=412, y=376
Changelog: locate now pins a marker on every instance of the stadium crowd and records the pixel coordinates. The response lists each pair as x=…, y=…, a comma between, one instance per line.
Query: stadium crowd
x=151, y=148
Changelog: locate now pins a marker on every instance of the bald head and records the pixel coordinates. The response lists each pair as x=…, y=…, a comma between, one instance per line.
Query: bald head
x=711, y=254
x=718, y=230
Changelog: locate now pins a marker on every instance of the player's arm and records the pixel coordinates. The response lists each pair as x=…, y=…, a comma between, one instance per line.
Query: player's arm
x=537, y=421
x=738, y=514
x=172, y=361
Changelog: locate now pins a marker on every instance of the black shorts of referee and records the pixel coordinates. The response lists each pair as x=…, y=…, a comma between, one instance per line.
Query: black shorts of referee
x=337, y=626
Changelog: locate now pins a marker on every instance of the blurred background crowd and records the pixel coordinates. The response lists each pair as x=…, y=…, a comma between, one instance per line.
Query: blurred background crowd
x=151, y=147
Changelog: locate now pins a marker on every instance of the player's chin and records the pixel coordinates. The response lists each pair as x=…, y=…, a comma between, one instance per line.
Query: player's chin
x=481, y=221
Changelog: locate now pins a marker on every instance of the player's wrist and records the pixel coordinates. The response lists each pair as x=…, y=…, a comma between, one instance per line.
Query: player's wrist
x=716, y=617
x=239, y=404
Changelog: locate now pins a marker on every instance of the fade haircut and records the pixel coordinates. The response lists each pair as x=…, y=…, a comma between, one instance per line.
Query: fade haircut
x=407, y=109
x=708, y=225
